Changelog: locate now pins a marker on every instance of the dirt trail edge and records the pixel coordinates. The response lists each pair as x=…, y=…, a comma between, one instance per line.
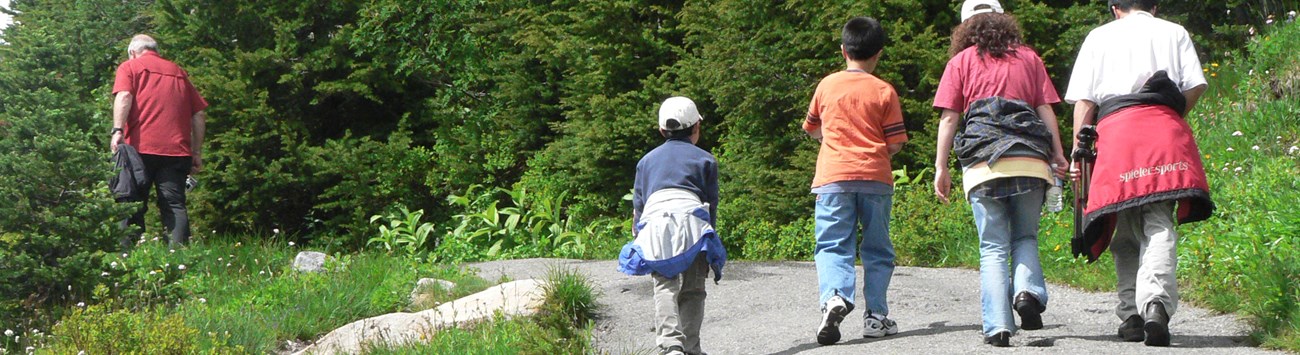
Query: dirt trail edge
x=771, y=308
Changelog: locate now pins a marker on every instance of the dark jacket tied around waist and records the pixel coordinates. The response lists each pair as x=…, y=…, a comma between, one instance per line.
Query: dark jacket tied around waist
x=1145, y=154
x=129, y=181
x=994, y=125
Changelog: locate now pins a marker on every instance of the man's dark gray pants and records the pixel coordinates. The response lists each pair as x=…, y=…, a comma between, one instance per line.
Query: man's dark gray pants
x=168, y=175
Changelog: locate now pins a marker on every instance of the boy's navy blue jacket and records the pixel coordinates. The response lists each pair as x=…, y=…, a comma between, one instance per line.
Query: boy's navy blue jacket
x=676, y=168
x=677, y=164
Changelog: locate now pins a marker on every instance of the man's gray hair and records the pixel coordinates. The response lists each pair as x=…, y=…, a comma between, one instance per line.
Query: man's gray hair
x=141, y=43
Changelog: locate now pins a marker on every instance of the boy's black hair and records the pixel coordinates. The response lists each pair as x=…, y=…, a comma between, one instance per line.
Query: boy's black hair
x=1129, y=5
x=863, y=38
x=684, y=133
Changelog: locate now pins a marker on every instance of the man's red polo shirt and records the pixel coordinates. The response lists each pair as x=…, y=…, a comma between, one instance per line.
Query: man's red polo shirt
x=164, y=103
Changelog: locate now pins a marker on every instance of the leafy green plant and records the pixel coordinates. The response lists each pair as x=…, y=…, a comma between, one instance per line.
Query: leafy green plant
x=402, y=231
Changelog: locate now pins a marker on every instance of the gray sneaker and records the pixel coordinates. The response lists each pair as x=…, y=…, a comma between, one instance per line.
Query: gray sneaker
x=875, y=328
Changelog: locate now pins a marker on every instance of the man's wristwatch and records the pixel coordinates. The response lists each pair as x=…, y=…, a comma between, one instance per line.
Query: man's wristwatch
x=115, y=131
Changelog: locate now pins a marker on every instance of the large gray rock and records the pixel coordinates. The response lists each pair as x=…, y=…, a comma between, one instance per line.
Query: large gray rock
x=512, y=299
x=309, y=261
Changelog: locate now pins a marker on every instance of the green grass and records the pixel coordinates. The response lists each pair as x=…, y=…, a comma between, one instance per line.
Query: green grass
x=247, y=296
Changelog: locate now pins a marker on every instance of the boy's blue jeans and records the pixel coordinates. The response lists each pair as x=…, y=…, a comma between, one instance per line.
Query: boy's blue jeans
x=1008, y=229
x=838, y=217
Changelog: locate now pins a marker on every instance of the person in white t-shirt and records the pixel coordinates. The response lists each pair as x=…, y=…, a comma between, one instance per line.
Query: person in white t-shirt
x=1118, y=62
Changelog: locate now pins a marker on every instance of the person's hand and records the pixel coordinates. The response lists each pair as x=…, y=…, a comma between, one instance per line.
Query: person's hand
x=1060, y=166
x=197, y=161
x=1075, y=171
x=113, y=142
x=942, y=184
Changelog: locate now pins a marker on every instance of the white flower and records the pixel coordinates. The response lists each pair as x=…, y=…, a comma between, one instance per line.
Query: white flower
x=227, y=264
x=151, y=272
x=81, y=304
x=275, y=230
x=1293, y=150
x=1254, y=148
x=30, y=349
x=9, y=332
x=104, y=274
x=113, y=264
x=1236, y=134
x=221, y=259
x=180, y=267
x=167, y=265
x=290, y=243
x=261, y=272
x=123, y=255
x=1238, y=169
x=69, y=287
x=203, y=300
x=1230, y=149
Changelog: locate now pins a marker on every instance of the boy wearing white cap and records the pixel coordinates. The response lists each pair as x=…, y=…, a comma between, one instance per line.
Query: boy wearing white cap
x=674, y=209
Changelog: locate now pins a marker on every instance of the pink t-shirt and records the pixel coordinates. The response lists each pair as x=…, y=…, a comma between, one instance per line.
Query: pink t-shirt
x=1019, y=75
x=163, y=104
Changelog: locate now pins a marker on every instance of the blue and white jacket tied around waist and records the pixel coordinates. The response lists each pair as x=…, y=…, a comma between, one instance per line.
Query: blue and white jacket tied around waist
x=673, y=230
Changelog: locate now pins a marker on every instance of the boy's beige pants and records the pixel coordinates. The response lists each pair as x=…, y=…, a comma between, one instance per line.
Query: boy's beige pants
x=679, y=307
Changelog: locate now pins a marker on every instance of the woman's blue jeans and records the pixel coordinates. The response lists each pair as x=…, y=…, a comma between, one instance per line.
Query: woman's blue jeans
x=1008, y=230
x=838, y=217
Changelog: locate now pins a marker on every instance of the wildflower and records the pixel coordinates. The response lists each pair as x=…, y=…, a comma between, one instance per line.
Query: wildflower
x=1216, y=65
x=1214, y=75
x=290, y=243
x=69, y=287
x=221, y=259
x=1254, y=147
x=275, y=230
x=180, y=267
x=151, y=272
x=103, y=274
x=261, y=272
x=9, y=332
x=1293, y=150
x=113, y=264
x=203, y=300
x=124, y=255
x=227, y=264
x=1230, y=149
x=1236, y=134
x=1238, y=169
x=81, y=304
x=237, y=244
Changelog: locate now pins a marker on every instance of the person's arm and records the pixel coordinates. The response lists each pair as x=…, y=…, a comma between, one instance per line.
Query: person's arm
x=1057, y=158
x=1193, y=95
x=199, y=126
x=121, y=109
x=948, y=120
x=894, y=148
x=1084, y=111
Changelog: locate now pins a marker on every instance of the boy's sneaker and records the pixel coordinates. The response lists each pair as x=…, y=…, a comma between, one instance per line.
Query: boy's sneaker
x=875, y=328
x=832, y=314
x=673, y=350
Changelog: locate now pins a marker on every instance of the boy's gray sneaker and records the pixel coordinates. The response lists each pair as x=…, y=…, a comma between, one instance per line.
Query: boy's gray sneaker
x=832, y=314
x=673, y=350
x=875, y=328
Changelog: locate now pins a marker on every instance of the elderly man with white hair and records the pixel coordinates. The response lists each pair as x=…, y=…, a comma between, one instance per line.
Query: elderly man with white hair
x=158, y=113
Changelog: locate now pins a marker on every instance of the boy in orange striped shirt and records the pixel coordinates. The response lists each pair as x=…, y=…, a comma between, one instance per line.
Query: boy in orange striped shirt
x=859, y=122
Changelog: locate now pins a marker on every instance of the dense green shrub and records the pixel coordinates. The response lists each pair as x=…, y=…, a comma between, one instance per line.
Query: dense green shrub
x=100, y=329
x=57, y=217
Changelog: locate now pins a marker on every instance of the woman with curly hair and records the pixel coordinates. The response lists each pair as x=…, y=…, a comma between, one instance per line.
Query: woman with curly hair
x=1009, y=149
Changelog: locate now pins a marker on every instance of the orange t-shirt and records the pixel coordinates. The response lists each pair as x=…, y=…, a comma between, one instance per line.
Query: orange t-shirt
x=859, y=115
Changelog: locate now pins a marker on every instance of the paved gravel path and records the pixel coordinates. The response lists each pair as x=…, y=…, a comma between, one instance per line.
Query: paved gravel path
x=771, y=308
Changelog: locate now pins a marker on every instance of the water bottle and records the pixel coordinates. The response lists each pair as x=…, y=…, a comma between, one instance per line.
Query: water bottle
x=190, y=183
x=1053, y=201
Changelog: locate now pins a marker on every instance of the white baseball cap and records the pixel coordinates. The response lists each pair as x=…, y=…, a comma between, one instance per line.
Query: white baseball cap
x=677, y=113
x=976, y=7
